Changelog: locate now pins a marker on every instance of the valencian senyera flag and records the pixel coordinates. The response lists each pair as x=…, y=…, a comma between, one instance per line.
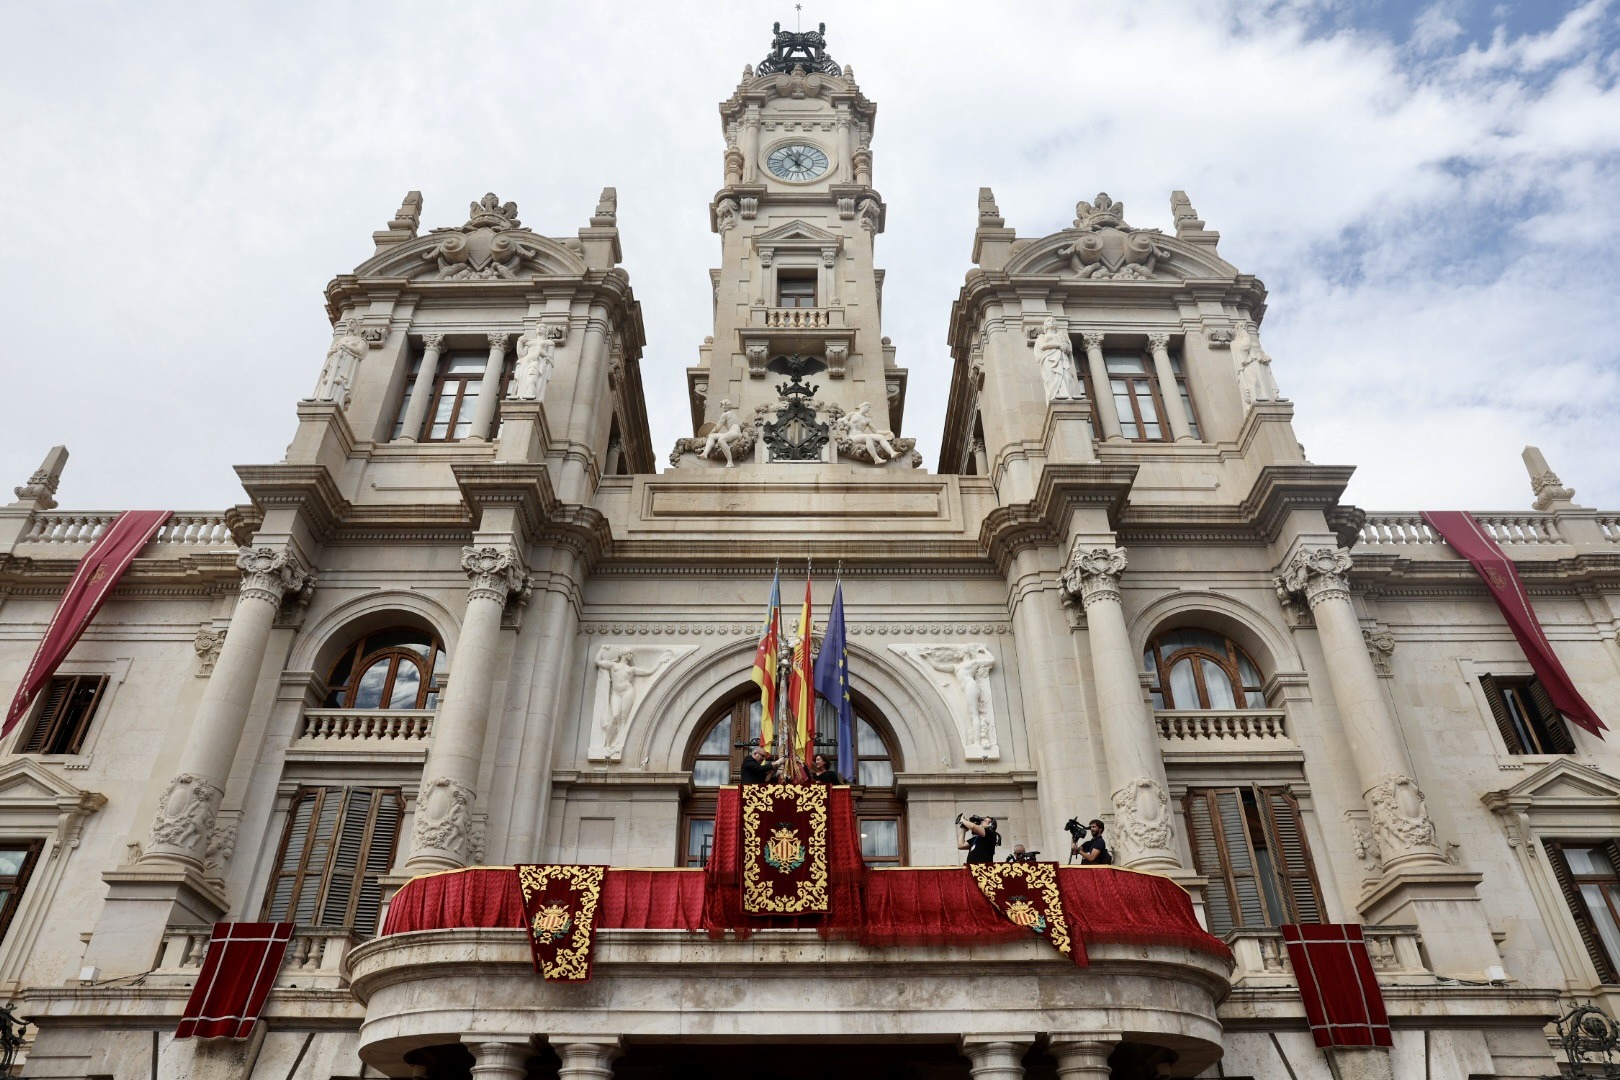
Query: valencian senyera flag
x=801, y=687
x=765, y=664
x=832, y=683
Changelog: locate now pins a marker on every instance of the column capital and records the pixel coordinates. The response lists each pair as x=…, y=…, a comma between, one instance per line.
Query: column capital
x=1317, y=574
x=585, y=1057
x=433, y=341
x=1158, y=342
x=1091, y=339
x=496, y=572
x=498, y=339
x=1083, y=1055
x=1093, y=574
x=270, y=573
x=999, y=1056
x=499, y=1058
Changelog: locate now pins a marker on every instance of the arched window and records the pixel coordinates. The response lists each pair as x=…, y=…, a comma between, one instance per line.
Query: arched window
x=717, y=760
x=395, y=668
x=1198, y=669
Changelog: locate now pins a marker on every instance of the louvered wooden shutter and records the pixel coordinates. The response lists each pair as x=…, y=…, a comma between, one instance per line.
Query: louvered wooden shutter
x=1504, y=722
x=1207, y=860
x=1290, y=856
x=56, y=694
x=338, y=843
x=1577, y=908
x=284, y=886
x=1223, y=853
x=1559, y=740
x=379, y=859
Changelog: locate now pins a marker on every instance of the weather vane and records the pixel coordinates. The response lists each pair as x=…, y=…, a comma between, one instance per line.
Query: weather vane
x=798, y=17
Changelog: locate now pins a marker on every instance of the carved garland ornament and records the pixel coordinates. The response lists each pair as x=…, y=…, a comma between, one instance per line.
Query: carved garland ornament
x=1400, y=817
x=1142, y=815
x=1093, y=575
x=185, y=817
x=444, y=817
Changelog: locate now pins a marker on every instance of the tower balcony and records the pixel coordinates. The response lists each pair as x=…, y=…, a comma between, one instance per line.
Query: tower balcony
x=810, y=331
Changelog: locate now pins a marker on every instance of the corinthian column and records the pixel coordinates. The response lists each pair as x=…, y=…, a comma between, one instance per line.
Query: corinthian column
x=1169, y=388
x=1144, y=831
x=186, y=815
x=1399, y=817
x=489, y=391
x=410, y=429
x=444, y=806
x=1102, y=389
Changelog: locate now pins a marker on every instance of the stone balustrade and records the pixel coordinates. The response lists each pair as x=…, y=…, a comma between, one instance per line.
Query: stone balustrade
x=1609, y=526
x=1228, y=725
x=1262, y=958
x=316, y=956
x=369, y=725
x=799, y=318
x=189, y=529
x=1386, y=530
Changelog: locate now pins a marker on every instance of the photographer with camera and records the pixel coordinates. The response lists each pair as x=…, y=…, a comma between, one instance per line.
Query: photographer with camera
x=1094, y=849
x=1018, y=854
x=978, y=838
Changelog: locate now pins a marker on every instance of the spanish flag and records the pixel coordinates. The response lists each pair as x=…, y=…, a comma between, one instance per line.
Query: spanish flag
x=765, y=665
x=801, y=686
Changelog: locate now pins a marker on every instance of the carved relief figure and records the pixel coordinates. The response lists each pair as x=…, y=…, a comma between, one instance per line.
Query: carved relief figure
x=726, y=431
x=1142, y=815
x=969, y=667
x=863, y=433
x=536, y=357
x=444, y=816
x=619, y=667
x=1253, y=365
x=1055, y=353
x=337, y=376
x=185, y=817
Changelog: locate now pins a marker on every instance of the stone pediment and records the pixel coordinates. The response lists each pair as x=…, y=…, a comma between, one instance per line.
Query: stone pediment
x=797, y=234
x=1565, y=780
x=478, y=253
x=1117, y=253
x=32, y=796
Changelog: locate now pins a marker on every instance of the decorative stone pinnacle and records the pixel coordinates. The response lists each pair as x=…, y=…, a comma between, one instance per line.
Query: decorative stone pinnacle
x=490, y=213
x=1549, y=490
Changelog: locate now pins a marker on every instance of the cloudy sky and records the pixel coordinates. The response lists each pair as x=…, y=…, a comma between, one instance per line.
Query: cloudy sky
x=1431, y=192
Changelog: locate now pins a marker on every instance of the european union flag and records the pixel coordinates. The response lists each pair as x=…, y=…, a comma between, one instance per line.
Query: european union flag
x=831, y=680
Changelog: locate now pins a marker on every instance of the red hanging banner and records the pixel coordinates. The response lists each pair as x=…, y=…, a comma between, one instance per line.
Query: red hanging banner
x=1027, y=895
x=95, y=578
x=559, y=911
x=1343, y=1002
x=237, y=973
x=784, y=856
x=1473, y=543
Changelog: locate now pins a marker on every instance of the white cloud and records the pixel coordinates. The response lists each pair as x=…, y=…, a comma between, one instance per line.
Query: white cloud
x=181, y=182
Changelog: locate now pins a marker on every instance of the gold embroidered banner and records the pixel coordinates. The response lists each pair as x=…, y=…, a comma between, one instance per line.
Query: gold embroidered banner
x=559, y=910
x=784, y=842
x=1026, y=894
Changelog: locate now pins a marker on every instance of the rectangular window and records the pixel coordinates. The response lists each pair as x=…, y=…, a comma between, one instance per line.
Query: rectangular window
x=17, y=859
x=67, y=707
x=1250, y=843
x=338, y=842
x=795, y=290
x=455, y=396
x=1526, y=717
x=1586, y=873
x=1133, y=382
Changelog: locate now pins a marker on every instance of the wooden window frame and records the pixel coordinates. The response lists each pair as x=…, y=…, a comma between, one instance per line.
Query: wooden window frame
x=429, y=683
x=1228, y=662
x=1293, y=880
x=800, y=278
x=50, y=733
x=17, y=884
x=1546, y=727
x=1149, y=376
x=1569, y=884
x=444, y=378
x=322, y=880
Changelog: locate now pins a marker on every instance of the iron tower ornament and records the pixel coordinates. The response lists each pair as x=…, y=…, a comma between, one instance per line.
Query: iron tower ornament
x=796, y=434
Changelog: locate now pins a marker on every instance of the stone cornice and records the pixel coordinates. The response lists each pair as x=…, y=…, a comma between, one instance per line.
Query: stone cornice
x=1380, y=574
x=1044, y=520
x=526, y=489
x=1278, y=491
x=308, y=488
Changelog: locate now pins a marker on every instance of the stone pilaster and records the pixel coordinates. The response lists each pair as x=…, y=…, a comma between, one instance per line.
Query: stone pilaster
x=1144, y=829
x=1103, y=397
x=185, y=816
x=1170, y=390
x=444, y=806
x=489, y=391
x=422, y=389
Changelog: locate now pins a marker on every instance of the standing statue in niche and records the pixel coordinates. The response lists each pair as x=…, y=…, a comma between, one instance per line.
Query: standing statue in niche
x=970, y=667
x=863, y=433
x=726, y=431
x=1253, y=365
x=536, y=357
x=337, y=376
x=1055, y=353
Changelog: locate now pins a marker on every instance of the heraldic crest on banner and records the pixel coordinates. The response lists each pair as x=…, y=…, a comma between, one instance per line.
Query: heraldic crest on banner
x=559, y=910
x=1026, y=894
x=784, y=838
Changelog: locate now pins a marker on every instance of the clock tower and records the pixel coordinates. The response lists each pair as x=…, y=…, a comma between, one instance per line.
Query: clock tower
x=797, y=300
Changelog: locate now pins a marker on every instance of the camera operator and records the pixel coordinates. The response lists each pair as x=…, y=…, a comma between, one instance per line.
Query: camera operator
x=760, y=768
x=1018, y=854
x=978, y=838
x=1094, y=849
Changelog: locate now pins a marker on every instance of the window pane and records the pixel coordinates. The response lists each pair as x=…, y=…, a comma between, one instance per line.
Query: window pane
x=718, y=742
x=880, y=839
x=867, y=741
x=369, y=693
x=1588, y=861
x=699, y=841
x=1192, y=417
x=711, y=773
x=1257, y=700
x=755, y=710
x=1246, y=668
x=1183, y=685
x=1124, y=364
x=875, y=773
x=1602, y=917
x=1218, y=684
x=11, y=861
x=407, y=681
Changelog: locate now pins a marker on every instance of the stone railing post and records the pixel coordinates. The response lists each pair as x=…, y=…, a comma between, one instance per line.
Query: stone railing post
x=422, y=389
x=1102, y=389
x=185, y=817
x=489, y=391
x=1400, y=819
x=1169, y=388
x=1144, y=829
x=444, y=806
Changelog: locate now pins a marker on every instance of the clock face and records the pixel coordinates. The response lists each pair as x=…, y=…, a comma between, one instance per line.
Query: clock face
x=797, y=161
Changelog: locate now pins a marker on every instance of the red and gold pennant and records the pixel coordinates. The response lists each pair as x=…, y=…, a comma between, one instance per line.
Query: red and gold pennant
x=1026, y=894
x=559, y=910
x=784, y=842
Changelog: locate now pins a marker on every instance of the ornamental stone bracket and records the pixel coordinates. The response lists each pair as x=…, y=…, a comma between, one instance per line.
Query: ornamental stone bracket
x=1380, y=647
